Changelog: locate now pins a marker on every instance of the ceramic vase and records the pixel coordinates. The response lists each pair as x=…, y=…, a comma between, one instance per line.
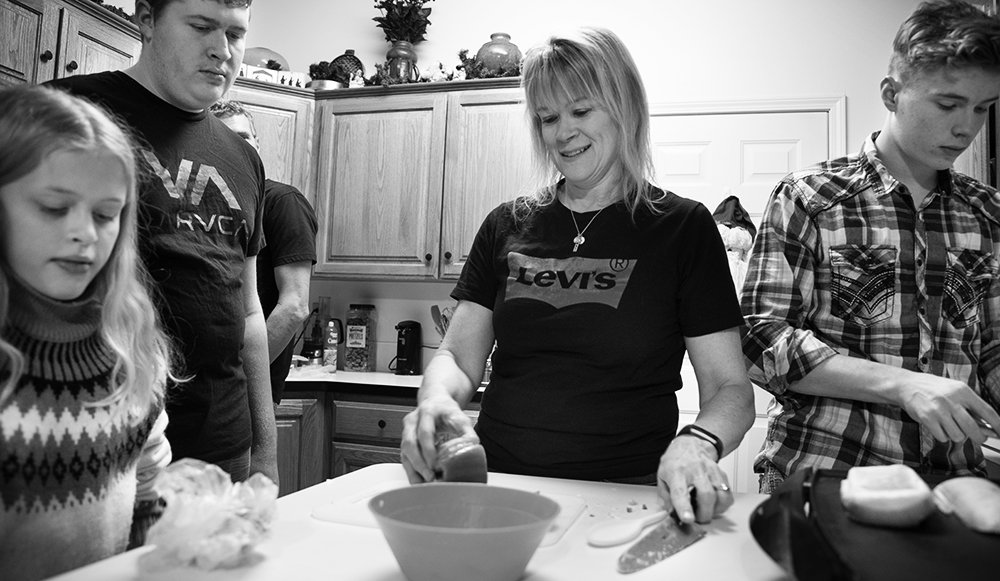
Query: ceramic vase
x=499, y=52
x=402, y=61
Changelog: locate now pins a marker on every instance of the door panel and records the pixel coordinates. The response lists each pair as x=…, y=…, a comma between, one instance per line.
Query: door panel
x=707, y=157
x=707, y=151
x=488, y=162
x=379, y=186
x=284, y=125
x=28, y=29
x=92, y=47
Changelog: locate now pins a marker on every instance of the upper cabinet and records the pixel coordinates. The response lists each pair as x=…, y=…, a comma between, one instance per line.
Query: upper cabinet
x=41, y=40
x=405, y=180
x=283, y=118
x=488, y=162
x=381, y=166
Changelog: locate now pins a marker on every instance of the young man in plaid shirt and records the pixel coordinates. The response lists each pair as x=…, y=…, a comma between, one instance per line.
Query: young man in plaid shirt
x=872, y=295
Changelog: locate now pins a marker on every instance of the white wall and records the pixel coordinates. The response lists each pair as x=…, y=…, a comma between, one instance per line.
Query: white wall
x=694, y=50
x=687, y=51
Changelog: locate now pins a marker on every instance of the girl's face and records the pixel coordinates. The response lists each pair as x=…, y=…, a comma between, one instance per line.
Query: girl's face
x=62, y=221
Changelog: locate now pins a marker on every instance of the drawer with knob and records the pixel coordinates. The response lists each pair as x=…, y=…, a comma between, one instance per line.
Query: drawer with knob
x=377, y=422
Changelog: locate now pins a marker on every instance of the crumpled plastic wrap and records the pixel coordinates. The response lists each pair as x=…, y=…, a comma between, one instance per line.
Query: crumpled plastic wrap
x=209, y=522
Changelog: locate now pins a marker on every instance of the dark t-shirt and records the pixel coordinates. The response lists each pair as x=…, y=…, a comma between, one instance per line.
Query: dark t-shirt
x=199, y=218
x=590, y=344
x=290, y=229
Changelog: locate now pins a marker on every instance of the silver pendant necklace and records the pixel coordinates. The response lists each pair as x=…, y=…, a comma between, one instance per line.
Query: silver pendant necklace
x=579, y=239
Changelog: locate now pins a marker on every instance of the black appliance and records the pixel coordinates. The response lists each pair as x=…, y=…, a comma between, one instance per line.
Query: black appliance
x=408, y=341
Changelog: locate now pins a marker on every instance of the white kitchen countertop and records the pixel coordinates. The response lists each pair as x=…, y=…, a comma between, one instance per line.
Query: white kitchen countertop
x=317, y=373
x=303, y=548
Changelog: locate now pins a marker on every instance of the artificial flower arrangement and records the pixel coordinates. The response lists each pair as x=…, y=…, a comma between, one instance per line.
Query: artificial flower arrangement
x=403, y=19
x=329, y=71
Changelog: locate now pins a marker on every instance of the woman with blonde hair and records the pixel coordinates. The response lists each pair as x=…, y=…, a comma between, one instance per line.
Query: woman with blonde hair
x=593, y=290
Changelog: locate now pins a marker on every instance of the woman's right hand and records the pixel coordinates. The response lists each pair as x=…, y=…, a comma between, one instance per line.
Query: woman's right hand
x=418, y=450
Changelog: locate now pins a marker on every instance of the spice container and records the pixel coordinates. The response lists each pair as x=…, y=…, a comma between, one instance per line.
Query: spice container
x=334, y=336
x=359, y=342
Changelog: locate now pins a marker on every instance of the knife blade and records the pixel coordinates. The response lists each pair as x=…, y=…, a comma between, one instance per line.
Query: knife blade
x=666, y=539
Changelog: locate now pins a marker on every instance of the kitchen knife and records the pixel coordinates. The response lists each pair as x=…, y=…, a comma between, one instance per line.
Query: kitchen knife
x=667, y=538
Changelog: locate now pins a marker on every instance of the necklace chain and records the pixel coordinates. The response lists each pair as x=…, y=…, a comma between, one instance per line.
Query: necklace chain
x=579, y=239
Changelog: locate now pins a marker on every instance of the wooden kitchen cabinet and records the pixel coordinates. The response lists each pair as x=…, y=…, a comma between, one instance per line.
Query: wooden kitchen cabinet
x=41, y=40
x=488, y=162
x=283, y=118
x=301, y=446
x=405, y=179
x=380, y=172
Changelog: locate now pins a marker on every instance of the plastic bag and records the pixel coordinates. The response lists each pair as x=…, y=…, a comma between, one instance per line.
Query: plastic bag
x=209, y=522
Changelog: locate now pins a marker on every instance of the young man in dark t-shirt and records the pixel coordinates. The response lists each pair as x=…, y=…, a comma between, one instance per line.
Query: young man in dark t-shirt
x=284, y=267
x=200, y=229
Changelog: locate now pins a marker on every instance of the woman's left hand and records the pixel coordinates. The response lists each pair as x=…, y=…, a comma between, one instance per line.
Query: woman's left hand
x=688, y=471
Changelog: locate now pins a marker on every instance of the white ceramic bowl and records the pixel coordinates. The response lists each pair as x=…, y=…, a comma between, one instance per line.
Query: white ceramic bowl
x=460, y=531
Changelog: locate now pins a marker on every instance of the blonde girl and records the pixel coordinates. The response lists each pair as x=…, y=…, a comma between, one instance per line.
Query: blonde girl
x=83, y=362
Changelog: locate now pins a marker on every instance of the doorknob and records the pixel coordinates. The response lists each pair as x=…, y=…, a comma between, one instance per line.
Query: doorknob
x=72, y=66
x=447, y=255
x=46, y=56
x=428, y=257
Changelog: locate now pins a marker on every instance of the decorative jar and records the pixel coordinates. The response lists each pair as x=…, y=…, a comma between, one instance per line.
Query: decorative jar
x=402, y=61
x=499, y=52
x=359, y=341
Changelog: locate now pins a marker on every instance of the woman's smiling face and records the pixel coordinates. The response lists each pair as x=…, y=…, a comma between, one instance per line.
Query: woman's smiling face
x=582, y=140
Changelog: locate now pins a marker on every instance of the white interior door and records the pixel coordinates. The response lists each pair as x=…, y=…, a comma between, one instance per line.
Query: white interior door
x=708, y=151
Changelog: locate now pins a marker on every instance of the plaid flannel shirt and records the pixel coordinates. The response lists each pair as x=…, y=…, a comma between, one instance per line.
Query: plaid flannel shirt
x=844, y=264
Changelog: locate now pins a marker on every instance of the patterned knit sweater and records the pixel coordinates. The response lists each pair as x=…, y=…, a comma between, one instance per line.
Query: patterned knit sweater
x=68, y=473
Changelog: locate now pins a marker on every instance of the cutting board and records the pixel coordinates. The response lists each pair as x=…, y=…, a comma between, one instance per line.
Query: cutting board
x=353, y=510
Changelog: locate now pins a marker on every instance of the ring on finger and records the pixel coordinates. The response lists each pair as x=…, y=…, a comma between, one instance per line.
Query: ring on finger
x=721, y=486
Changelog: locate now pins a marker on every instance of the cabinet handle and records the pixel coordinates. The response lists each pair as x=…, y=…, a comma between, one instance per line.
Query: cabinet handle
x=72, y=66
x=46, y=56
x=428, y=257
x=447, y=255
x=381, y=424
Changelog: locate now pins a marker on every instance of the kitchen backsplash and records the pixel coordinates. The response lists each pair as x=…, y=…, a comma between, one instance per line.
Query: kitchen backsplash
x=394, y=302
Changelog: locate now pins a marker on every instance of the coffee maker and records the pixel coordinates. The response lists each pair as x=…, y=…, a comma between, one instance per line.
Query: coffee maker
x=408, y=342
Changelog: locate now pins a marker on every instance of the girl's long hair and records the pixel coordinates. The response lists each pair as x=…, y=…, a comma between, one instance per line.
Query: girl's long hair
x=590, y=63
x=34, y=123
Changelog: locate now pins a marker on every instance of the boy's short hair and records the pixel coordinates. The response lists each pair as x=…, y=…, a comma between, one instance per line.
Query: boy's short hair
x=157, y=6
x=225, y=109
x=945, y=33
